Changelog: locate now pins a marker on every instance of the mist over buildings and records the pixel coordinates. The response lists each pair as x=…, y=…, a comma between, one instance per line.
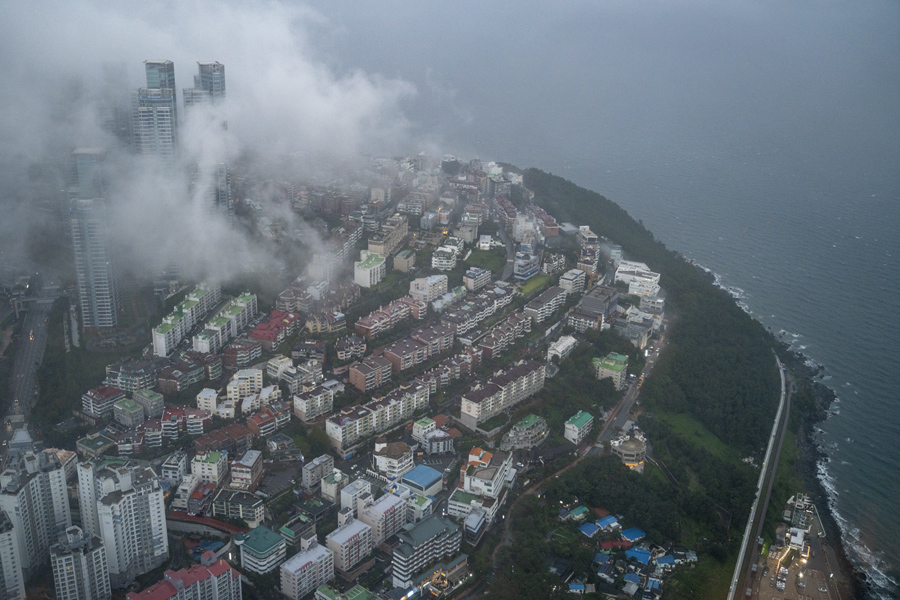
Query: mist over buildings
x=68, y=85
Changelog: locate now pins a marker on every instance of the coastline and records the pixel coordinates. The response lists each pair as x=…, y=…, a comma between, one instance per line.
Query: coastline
x=852, y=581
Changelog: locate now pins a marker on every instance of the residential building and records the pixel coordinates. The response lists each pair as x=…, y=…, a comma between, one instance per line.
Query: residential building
x=314, y=403
x=12, y=581
x=155, y=125
x=123, y=505
x=391, y=236
x=653, y=305
x=370, y=374
x=262, y=550
x=392, y=459
x=388, y=317
x=640, y=279
x=245, y=382
x=486, y=473
x=581, y=320
x=184, y=317
x=405, y=261
x=226, y=324
x=349, y=347
x=210, y=467
x=577, y=428
x=315, y=470
x=632, y=451
x=370, y=270
x=212, y=579
x=476, y=278
x=128, y=413
x=613, y=366
x=352, y=492
x=427, y=289
x=96, y=281
x=422, y=427
x=100, y=401
x=405, y=354
x=208, y=400
x=553, y=263
x=307, y=570
x=276, y=328
x=529, y=432
x=235, y=504
x=152, y=402
x=242, y=353
x=247, y=471
x=385, y=516
x=80, y=570
x=350, y=543
x=131, y=375
x=271, y=418
x=572, y=281
x=546, y=304
x=561, y=348
x=233, y=438
x=174, y=468
x=437, y=442
x=600, y=300
x=444, y=258
x=33, y=495
x=332, y=484
x=354, y=423
x=504, y=390
x=423, y=544
x=525, y=266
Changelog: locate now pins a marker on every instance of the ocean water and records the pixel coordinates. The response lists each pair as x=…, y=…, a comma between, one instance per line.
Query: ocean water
x=760, y=138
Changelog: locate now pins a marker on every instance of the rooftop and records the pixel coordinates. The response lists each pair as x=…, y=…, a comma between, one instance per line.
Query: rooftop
x=580, y=419
x=371, y=261
x=423, y=476
x=527, y=421
x=262, y=540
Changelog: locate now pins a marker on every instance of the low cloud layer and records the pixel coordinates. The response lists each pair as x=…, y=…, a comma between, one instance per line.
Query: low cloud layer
x=65, y=61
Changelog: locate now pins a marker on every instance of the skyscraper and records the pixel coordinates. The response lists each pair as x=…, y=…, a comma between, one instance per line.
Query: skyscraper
x=155, y=126
x=160, y=74
x=209, y=85
x=12, y=583
x=34, y=497
x=122, y=504
x=80, y=570
x=97, y=289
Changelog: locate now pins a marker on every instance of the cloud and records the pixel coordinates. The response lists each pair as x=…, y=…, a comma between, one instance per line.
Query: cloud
x=284, y=98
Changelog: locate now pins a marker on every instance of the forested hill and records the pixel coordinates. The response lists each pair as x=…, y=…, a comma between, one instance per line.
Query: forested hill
x=719, y=364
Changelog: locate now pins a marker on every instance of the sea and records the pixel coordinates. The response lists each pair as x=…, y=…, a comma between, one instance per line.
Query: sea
x=761, y=139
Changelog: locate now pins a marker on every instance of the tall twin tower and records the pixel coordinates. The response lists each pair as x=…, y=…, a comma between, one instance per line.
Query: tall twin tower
x=155, y=135
x=156, y=106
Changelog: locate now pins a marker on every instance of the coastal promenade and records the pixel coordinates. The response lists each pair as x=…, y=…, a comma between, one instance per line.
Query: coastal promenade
x=766, y=478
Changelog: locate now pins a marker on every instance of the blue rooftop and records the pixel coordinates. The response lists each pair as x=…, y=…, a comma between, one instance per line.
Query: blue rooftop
x=422, y=477
x=633, y=534
x=668, y=559
x=589, y=529
x=639, y=554
x=607, y=521
x=576, y=587
x=633, y=578
x=601, y=558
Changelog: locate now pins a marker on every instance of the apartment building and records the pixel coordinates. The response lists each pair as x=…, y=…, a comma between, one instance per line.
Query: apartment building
x=505, y=389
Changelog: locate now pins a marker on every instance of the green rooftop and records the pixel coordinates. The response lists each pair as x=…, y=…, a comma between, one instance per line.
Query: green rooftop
x=580, y=419
x=611, y=365
x=189, y=304
x=464, y=497
x=235, y=309
x=357, y=592
x=371, y=261
x=262, y=541
x=245, y=298
x=129, y=405
x=211, y=458
x=420, y=500
x=424, y=422
x=96, y=442
x=527, y=421
x=617, y=357
x=217, y=322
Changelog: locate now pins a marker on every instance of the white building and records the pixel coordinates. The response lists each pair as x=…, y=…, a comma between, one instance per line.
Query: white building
x=422, y=427
x=208, y=400
x=640, y=279
x=577, y=428
x=421, y=545
x=313, y=403
x=123, y=505
x=428, y=289
x=354, y=423
x=370, y=270
x=350, y=543
x=35, y=499
x=504, y=390
x=245, y=382
x=178, y=324
x=385, y=516
x=262, y=550
x=444, y=258
x=476, y=278
x=351, y=493
x=174, y=468
x=226, y=324
x=210, y=467
x=13, y=582
x=80, y=570
x=393, y=459
x=486, y=473
x=572, y=281
x=212, y=579
x=304, y=572
x=561, y=348
x=276, y=367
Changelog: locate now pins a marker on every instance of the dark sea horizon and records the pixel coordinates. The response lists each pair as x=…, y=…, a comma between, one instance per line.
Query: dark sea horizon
x=761, y=139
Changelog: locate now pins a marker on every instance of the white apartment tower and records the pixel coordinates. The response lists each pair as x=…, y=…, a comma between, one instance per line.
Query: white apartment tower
x=123, y=505
x=12, y=583
x=34, y=497
x=80, y=570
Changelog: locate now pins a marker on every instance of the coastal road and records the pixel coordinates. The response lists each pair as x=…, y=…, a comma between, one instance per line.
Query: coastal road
x=766, y=479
